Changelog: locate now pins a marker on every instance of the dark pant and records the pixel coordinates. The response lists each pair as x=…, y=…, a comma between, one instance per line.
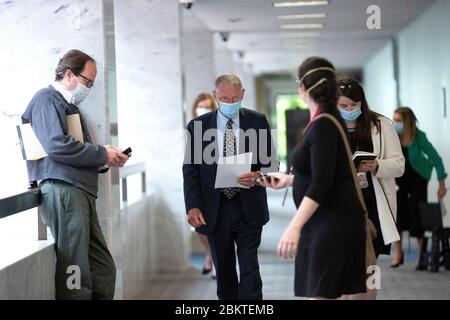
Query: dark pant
x=84, y=266
x=231, y=228
x=411, y=193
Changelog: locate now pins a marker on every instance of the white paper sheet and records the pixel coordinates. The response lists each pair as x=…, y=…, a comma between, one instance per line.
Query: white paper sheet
x=31, y=147
x=230, y=168
x=445, y=216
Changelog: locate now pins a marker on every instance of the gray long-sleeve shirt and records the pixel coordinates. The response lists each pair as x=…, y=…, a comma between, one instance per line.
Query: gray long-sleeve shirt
x=68, y=159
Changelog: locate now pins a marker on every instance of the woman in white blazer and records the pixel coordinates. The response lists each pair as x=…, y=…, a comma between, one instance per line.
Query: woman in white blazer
x=374, y=133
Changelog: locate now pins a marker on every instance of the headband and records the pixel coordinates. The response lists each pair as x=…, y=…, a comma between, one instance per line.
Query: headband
x=314, y=70
x=318, y=83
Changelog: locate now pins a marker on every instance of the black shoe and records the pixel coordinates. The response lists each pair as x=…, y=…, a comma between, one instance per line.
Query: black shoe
x=422, y=265
x=396, y=265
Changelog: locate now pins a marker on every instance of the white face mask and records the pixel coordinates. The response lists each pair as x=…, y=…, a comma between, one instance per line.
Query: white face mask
x=201, y=111
x=79, y=93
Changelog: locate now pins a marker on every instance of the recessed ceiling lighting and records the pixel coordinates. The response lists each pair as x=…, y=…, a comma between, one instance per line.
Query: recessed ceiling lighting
x=234, y=20
x=302, y=16
x=300, y=42
x=301, y=26
x=299, y=3
x=301, y=35
x=301, y=46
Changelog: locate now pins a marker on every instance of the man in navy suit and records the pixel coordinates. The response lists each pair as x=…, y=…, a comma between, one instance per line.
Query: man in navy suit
x=229, y=216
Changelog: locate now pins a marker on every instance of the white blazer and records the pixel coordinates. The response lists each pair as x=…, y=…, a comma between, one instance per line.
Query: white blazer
x=386, y=145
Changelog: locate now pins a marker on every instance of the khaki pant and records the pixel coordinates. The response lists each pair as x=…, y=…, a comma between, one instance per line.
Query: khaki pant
x=84, y=267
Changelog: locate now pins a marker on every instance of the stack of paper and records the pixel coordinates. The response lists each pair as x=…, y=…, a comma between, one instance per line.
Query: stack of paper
x=230, y=168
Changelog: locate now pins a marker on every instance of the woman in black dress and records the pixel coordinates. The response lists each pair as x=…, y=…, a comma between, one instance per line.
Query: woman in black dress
x=327, y=234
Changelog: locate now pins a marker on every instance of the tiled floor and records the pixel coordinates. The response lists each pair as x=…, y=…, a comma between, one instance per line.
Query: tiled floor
x=277, y=274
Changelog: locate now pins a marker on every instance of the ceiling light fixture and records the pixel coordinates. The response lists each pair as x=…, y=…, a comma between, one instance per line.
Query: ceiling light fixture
x=301, y=47
x=301, y=42
x=285, y=4
x=301, y=35
x=302, y=16
x=301, y=26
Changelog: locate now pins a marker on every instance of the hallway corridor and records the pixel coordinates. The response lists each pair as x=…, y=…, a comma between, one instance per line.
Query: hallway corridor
x=277, y=274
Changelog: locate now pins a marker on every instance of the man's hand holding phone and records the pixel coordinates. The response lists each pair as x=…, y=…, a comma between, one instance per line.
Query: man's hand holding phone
x=115, y=157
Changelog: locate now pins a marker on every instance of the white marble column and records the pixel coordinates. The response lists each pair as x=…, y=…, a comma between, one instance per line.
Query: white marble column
x=197, y=54
x=151, y=118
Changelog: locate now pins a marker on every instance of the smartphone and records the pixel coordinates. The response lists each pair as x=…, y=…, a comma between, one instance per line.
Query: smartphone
x=105, y=168
x=127, y=151
x=274, y=179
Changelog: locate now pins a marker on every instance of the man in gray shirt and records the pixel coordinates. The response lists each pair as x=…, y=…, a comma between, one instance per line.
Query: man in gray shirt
x=68, y=178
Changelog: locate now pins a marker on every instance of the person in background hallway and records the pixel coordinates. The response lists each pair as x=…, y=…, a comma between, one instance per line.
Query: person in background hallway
x=421, y=157
x=372, y=132
x=68, y=178
x=229, y=216
x=205, y=103
x=327, y=235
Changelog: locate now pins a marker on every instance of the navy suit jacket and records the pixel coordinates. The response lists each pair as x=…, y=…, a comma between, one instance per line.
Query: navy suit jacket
x=199, y=176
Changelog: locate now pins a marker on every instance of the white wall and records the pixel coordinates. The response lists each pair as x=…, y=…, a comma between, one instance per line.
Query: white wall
x=379, y=82
x=424, y=62
x=32, y=277
x=424, y=53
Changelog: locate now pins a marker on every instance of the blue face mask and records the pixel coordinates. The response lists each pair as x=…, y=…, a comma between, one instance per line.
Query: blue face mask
x=229, y=110
x=399, y=127
x=350, y=115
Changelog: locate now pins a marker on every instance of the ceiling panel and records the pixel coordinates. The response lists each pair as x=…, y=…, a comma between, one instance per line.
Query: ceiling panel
x=345, y=38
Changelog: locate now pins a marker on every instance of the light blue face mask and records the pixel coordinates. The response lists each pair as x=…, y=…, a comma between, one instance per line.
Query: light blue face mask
x=350, y=115
x=79, y=93
x=229, y=110
x=399, y=127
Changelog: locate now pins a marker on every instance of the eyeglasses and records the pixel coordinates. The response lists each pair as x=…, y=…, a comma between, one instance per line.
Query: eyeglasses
x=90, y=83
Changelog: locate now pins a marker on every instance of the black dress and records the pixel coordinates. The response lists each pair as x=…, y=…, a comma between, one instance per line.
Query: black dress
x=369, y=196
x=412, y=190
x=330, y=260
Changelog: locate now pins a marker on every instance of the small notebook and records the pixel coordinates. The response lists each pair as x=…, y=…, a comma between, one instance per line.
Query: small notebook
x=359, y=156
x=32, y=148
